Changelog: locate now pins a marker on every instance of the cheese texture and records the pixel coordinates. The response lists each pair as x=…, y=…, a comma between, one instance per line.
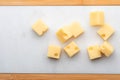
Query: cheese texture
x=105, y=31
x=71, y=49
x=97, y=18
x=106, y=48
x=76, y=29
x=64, y=34
x=94, y=52
x=54, y=51
x=39, y=27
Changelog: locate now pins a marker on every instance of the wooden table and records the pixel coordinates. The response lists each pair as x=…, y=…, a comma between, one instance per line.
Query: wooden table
x=59, y=2
x=59, y=76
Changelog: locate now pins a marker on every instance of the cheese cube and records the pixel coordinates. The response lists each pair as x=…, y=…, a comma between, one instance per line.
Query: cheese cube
x=106, y=48
x=94, y=52
x=71, y=49
x=39, y=27
x=54, y=51
x=97, y=18
x=64, y=34
x=76, y=29
x=105, y=31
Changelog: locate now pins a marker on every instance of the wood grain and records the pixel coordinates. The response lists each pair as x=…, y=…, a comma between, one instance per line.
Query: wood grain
x=57, y=2
x=40, y=2
x=101, y=2
x=59, y=77
x=6, y=77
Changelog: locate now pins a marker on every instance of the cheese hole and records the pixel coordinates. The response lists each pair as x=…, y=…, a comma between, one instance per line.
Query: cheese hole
x=68, y=46
x=103, y=47
x=76, y=48
x=56, y=54
x=103, y=35
x=64, y=34
x=90, y=48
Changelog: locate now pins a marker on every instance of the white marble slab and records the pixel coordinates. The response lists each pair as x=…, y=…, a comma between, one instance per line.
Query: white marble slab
x=22, y=51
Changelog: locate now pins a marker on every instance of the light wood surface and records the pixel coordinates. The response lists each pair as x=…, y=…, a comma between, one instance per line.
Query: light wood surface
x=101, y=2
x=58, y=2
x=59, y=77
x=41, y=2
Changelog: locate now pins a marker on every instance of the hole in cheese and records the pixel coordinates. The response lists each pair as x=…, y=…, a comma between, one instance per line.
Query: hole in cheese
x=68, y=46
x=103, y=35
x=56, y=54
x=76, y=48
x=91, y=48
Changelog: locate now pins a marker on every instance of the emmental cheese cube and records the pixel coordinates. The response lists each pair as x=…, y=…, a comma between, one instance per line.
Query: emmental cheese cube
x=71, y=49
x=64, y=34
x=54, y=51
x=39, y=27
x=76, y=29
x=105, y=31
x=97, y=18
x=106, y=48
x=94, y=52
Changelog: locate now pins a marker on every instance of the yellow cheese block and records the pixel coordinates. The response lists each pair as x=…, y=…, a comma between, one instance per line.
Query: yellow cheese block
x=54, y=51
x=71, y=49
x=39, y=27
x=105, y=31
x=106, y=48
x=97, y=18
x=64, y=34
x=94, y=52
x=76, y=29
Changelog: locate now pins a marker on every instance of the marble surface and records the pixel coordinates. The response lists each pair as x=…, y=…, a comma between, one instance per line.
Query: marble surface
x=22, y=51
